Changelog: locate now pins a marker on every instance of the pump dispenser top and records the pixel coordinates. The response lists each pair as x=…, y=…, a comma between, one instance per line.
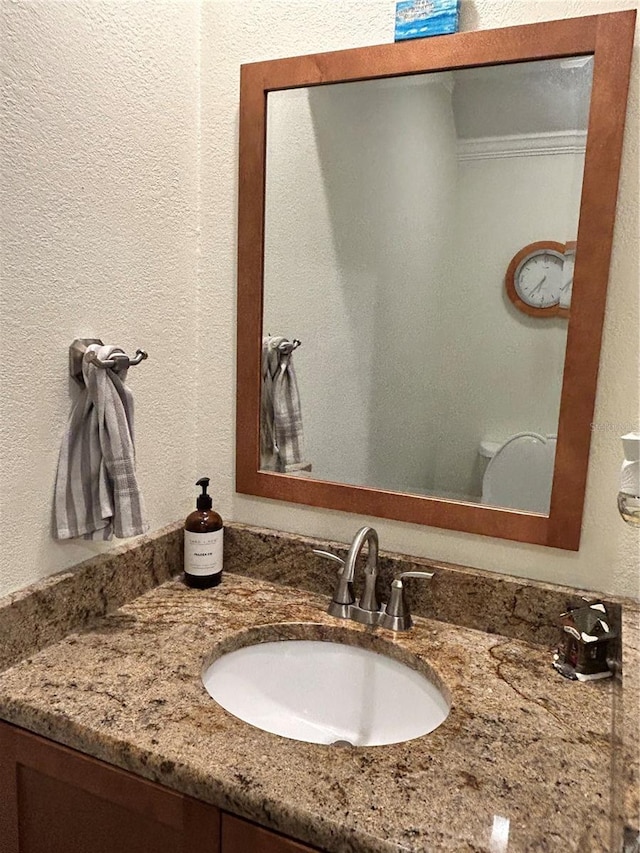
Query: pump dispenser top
x=204, y=501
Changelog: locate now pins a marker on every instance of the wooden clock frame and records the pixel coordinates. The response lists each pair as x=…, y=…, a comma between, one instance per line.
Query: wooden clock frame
x=510, y=279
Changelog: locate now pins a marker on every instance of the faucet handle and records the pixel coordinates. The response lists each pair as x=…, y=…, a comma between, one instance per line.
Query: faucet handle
x=397, y=616
x=328, y=556
x=426, y=575
x=343, y=595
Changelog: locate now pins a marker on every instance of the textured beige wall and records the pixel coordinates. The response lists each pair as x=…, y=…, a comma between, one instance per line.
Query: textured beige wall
x=370, y=286
x=104, y=169
x=99, y=230
x=236, y=32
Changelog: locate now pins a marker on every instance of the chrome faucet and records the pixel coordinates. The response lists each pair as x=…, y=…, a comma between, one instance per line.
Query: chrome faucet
x=343, y=604
x=367, y=611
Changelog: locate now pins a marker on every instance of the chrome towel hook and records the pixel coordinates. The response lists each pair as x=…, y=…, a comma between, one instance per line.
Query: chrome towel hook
x=287, y=347
x=118, y=360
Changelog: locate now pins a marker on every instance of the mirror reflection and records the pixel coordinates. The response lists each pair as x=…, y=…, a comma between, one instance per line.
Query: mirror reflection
x=419, y=242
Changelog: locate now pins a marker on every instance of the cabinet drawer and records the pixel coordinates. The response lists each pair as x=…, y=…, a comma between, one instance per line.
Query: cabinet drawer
x=240, y=836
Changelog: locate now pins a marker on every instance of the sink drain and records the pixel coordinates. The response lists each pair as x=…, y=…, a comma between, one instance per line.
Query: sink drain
x=341, y=743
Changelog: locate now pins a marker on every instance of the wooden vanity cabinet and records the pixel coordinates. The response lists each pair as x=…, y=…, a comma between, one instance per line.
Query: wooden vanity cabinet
x=240, y=836
x=56, y=800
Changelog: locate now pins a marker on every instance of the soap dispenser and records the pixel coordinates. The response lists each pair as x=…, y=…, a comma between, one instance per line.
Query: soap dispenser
x=203, y=534
x=629, y=494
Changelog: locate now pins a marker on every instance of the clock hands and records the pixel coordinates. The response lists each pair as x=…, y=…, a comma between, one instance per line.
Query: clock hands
x=538, y=286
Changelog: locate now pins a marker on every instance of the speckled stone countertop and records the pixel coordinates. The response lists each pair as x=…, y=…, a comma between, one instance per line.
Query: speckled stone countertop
x=526, y=761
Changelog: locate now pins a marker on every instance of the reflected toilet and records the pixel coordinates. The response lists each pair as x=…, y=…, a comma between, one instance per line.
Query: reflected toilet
x=520, y=472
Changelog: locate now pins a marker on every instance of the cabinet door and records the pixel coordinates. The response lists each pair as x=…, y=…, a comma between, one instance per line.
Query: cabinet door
x=240, y=836
x=56, y=800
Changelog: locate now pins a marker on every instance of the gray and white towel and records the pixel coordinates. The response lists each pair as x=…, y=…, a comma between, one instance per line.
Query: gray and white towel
x=97, y=494
x=281, y=432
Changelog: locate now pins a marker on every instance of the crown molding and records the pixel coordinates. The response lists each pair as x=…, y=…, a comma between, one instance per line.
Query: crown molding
x=522, y=145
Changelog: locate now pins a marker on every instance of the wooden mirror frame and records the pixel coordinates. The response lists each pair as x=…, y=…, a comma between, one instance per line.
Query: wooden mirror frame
x=609, y=38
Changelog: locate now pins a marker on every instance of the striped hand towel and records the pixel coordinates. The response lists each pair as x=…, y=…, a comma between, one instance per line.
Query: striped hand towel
x=281, y=432
x=97, y=494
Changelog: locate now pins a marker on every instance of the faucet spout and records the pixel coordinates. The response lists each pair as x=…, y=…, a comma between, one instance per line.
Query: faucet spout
x=363, y=536
x=368, y=606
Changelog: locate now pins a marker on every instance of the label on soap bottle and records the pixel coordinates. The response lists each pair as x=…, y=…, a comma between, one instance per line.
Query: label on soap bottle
x=203, y=553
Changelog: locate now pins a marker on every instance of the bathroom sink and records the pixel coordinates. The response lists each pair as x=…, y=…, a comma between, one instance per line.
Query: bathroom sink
x=326, y=692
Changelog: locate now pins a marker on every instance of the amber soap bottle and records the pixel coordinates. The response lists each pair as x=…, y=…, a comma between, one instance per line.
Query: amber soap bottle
x=203, y=532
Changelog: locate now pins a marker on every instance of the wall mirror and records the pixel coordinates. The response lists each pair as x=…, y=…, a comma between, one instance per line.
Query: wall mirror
x=433, y=220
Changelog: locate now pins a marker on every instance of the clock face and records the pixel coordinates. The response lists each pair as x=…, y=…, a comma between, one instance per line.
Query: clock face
x=538, y=278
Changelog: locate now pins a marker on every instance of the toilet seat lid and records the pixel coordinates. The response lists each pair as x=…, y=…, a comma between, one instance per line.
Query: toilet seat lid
x=520, y=474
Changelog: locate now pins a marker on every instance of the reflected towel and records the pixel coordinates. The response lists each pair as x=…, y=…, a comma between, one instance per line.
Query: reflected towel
x=281, y=432
x=97, y=494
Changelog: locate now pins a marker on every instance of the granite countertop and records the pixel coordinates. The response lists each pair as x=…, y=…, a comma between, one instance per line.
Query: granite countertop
x=525, y=761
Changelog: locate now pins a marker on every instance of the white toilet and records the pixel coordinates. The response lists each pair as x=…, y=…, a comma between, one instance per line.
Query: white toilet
x=520, y=472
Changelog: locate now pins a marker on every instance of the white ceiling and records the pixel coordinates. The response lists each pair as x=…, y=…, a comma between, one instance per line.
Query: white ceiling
x=529, y=97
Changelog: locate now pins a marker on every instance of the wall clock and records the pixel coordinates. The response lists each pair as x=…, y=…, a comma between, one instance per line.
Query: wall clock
x=535, y=281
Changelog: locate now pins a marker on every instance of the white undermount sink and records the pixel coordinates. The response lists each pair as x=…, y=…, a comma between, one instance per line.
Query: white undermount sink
x=326, y=692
